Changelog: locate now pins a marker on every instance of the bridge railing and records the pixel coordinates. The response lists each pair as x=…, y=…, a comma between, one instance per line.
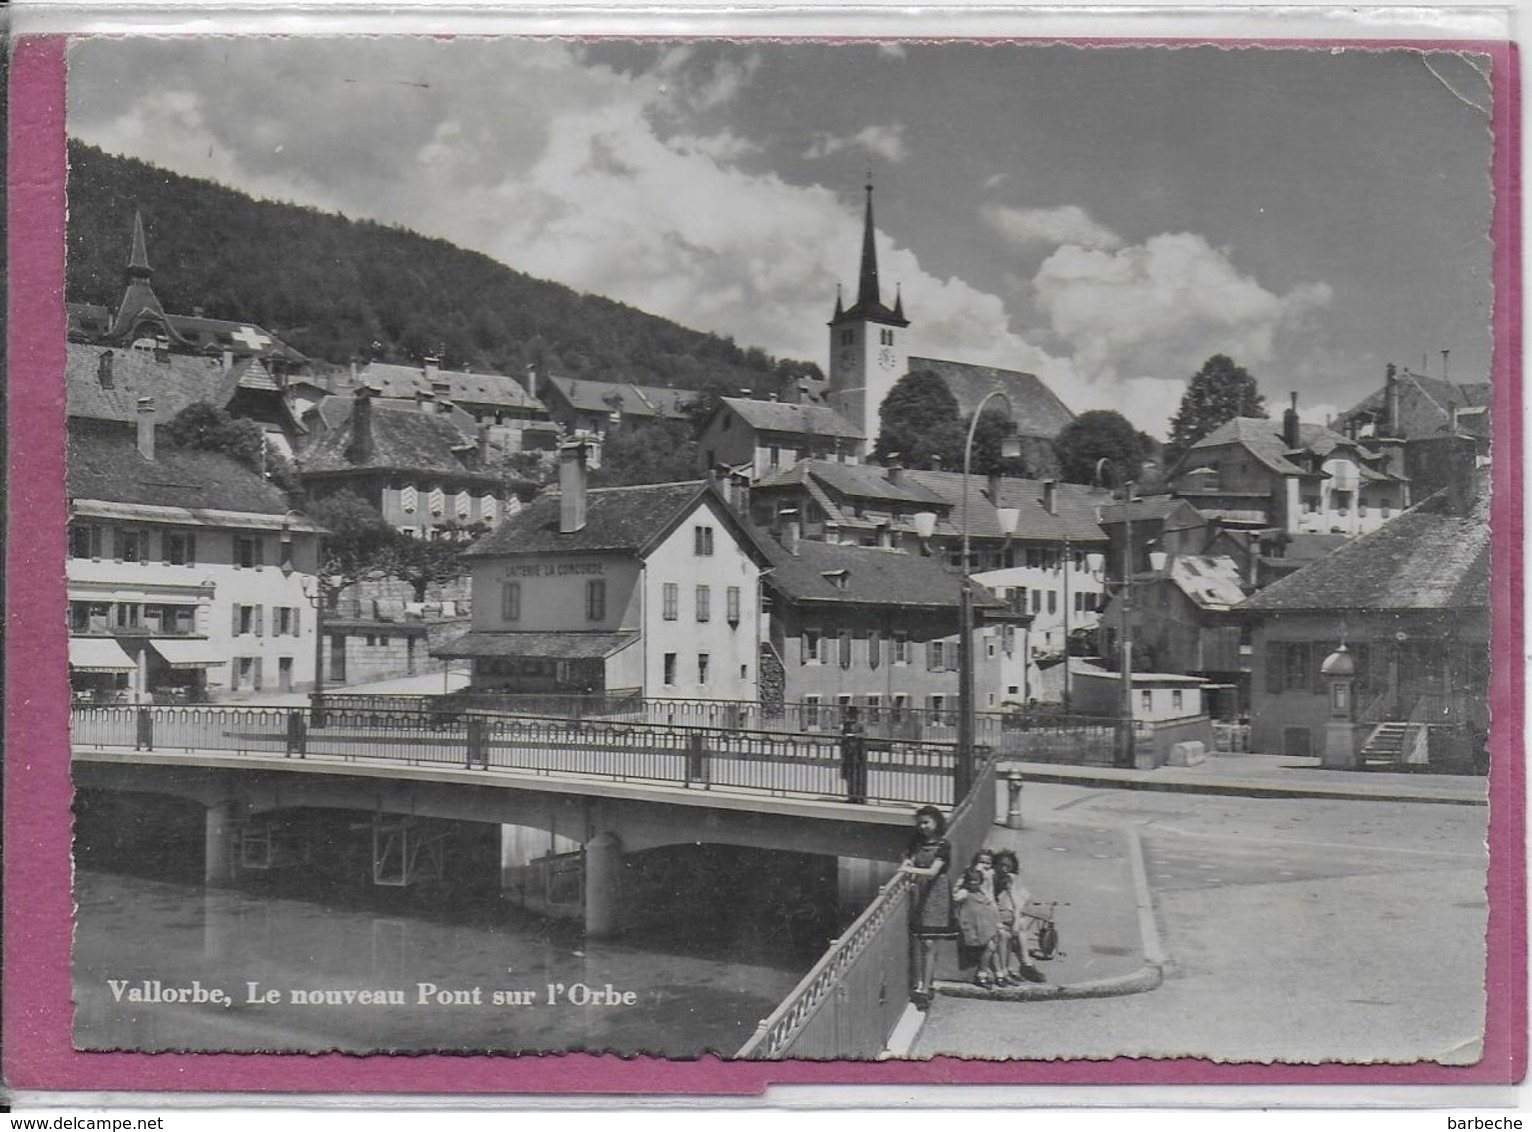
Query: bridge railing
x=851, y=1000
x=777, y=763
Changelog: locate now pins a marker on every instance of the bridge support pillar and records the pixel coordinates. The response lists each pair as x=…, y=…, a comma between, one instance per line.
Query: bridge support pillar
x=220, y=843
x=603, y=885
x=858, y=881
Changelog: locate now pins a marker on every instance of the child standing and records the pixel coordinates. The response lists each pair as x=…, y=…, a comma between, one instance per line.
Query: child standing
x=1010, y=902
x=978, y=925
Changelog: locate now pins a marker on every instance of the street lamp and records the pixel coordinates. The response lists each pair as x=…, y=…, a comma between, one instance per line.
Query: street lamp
x=1010, y=448
x=1124, y=753
x=316, y=598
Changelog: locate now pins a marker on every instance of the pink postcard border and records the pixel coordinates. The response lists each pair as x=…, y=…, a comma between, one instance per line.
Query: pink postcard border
x=38, y=910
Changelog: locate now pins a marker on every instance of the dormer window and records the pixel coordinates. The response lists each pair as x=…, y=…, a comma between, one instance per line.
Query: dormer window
x=840, y=579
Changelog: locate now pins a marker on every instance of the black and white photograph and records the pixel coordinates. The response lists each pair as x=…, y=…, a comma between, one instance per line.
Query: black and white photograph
x=783, y=549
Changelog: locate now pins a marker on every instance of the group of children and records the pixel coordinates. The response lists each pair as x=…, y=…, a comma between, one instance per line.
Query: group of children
x=991, y=920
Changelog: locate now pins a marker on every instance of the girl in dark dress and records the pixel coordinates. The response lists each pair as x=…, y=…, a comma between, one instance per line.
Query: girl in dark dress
x=928, y=859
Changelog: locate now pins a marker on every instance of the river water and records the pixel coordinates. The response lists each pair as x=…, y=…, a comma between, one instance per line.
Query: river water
x=289, y=960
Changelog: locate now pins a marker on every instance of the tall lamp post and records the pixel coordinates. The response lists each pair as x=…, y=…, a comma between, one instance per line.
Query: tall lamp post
x=1124, y=753
x=317, y=600
x=1010, y=448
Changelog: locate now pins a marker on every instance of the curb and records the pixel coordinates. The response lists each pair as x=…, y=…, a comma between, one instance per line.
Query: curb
x=1044, y=772
x=1145, y=978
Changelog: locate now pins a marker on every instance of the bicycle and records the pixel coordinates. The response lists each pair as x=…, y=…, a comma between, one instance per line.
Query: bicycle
x=1042, y=922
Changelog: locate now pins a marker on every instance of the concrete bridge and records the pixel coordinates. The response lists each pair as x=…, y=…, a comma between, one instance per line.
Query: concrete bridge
x=608, y=789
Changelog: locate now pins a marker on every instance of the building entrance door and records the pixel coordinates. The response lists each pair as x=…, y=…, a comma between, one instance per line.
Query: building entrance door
x=285, y=673
x=338, y=658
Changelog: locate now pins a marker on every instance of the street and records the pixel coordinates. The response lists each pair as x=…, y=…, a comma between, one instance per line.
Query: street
x=1298, y=930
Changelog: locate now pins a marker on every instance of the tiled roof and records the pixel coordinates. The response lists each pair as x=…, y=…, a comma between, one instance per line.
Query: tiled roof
x=543, y=646
x=1427, y=558
x=105, y=465
x=402, y=440
x=1169, y=509
x=1425, y=403
x=466, y=388
x=245, y=339
x=174, y=382
x=1074, y=515
x=871, y=576
x=856, y=481
x=779, y=416
x=1211, y=582
x=1035, y=408
x=616, y=519
x=1259, y=435
x=623, y=397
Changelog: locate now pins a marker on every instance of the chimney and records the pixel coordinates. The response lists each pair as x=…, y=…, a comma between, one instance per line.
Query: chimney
x=772, y=396
x=936, y=462
x=572, y=486
x=360, y=450
x=894, y=465
x=794, y=529
x=104, y=371
x=1290, y=424
x=1051, y=496
x=146, y=427
x=1391, y=394
x=745, y=393
x=228, y=359
x=532, y=381
x=353, y=371
x=433, y=369
x=481, y=461
x=197, y=312
x=994, y=488
x=425, y=401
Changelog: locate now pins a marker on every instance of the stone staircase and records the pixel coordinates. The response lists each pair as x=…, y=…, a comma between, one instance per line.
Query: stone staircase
x=1388, y=744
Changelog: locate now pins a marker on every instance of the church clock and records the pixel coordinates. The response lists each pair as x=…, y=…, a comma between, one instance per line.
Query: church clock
x=886, y=358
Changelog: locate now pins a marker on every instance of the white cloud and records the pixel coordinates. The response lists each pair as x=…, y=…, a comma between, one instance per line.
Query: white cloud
x=886, y=142
x=1162, y=307
x=993, y=181
x=1028, y=228
x=722, y=146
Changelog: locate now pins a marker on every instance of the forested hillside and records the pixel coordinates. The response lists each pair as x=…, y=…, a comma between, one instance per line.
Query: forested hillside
x=339, y=289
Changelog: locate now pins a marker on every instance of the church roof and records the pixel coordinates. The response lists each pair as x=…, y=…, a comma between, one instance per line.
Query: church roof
x=779, y=416
x=1035, y=408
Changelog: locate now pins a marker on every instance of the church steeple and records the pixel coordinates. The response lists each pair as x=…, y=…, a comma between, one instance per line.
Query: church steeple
x=138, y=261
x=840, y=306
x=140, y=306
x=867, y=296
x=898, y=301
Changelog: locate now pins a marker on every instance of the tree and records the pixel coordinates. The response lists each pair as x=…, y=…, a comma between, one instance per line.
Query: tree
x=919, y=420
x=1096, y=434
x=994, y=426
x=207, y=428
x=1217, y=393
x=647, y=452
x=359, y=545
x=426, y=562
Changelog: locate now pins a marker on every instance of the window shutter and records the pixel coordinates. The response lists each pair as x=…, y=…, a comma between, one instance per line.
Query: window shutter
x=803, y=646
x=297, y=613
x=260, y=614
x=257, y=683
x=1276, y=658
x=236, y=620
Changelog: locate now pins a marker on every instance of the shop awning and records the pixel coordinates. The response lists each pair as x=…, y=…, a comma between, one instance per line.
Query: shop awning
x=187, y=654
x=98, y=654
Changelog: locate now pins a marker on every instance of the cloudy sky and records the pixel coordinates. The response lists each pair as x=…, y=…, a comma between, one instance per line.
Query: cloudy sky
x=1105, y=217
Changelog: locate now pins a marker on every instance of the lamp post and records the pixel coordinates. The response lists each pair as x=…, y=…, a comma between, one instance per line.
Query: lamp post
x=1010, y=448
x=1124, y=753
x=316, y=598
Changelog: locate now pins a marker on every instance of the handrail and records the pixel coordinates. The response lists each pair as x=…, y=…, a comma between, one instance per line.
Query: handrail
x=776, y=1033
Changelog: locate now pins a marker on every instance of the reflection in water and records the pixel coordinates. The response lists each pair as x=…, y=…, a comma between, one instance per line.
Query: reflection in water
x=701, y=975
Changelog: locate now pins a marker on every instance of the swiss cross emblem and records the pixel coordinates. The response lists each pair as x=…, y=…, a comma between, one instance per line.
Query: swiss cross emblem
x=251, y=337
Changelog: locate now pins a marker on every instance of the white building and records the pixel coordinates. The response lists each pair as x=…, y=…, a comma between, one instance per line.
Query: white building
x=188, y=575
x=652, y=590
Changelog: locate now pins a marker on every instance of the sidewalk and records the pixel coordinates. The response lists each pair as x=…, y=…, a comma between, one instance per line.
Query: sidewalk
x=1273, y=776
x=1096, y=875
